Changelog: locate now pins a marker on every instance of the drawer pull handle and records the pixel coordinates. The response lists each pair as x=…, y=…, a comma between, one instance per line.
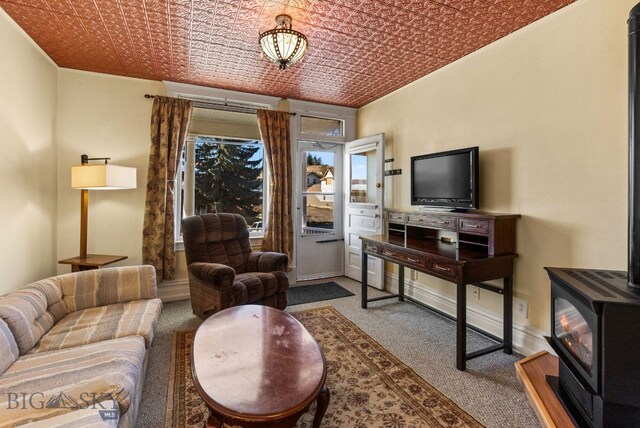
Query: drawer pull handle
x=438, y=267
x=409, y=259
x=442, y=222
x=388, y=253
x=475, y=226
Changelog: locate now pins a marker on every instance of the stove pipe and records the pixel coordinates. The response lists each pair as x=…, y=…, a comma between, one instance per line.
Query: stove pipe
x=634, y=148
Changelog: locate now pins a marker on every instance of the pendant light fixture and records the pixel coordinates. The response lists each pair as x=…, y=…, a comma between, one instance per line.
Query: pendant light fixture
x=283, y=45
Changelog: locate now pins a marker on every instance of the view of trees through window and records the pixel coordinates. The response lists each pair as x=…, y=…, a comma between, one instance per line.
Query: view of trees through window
x=229, y=178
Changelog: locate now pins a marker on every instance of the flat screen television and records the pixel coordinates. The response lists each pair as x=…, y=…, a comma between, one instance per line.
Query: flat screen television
x=446, y=179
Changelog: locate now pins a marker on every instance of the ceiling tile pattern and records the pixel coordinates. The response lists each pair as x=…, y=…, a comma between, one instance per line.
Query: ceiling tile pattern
x=359, y=50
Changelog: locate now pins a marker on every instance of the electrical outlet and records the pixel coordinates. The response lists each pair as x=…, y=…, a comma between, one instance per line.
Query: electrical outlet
x=522, y=308
x=476, y=292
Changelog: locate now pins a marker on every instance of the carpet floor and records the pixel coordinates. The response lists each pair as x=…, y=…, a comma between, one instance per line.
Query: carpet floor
x=488, y=390
x=369, y=386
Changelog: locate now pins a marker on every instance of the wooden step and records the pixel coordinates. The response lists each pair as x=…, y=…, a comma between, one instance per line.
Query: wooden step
x=532, y=372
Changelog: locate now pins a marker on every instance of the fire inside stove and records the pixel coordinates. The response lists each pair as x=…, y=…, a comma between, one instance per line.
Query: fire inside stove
x=574, y=333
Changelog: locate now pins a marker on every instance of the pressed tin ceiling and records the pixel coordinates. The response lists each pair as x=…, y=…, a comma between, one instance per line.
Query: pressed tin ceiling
x=359, y=50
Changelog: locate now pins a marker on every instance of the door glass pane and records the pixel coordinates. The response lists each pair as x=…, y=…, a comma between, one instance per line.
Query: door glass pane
x=322, y=126
x=320, y=171
x=574, y=332
x=362, y=183
x=317, y=217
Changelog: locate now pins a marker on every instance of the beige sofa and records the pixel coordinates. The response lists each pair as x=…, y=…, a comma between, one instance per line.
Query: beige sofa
x=73, y=348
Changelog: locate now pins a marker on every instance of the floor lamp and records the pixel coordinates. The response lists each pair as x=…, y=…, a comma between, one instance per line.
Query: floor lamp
x=98, y=176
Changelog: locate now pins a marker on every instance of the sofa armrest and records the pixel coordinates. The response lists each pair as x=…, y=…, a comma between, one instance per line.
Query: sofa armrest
x=266, y=261
x=214, y=274
x=100, y=287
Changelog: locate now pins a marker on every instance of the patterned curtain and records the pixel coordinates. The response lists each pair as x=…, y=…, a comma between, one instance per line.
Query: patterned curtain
x=274, y=128
x=169, y=126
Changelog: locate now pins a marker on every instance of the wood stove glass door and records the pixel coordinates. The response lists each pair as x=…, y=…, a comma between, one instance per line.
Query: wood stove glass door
x=574, y=333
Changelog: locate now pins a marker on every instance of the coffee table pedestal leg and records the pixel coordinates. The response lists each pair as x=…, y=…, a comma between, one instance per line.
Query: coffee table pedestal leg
x=214, y=421
x=323, y=403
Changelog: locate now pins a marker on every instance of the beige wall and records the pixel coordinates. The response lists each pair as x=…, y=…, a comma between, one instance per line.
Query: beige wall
x=28, y=173
x=548, y=107
x=103, y=116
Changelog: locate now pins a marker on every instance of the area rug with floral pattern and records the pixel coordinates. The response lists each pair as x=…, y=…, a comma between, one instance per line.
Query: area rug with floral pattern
x=369, y=386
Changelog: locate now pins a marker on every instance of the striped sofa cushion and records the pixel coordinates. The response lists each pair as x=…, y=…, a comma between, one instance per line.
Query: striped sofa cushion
x=8, y=347
x=99, y=287
x=25, y=312
x=53, y=292
x=137, y=318
x=63, y=381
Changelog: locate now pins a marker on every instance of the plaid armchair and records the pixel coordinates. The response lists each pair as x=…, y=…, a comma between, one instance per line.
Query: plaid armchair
x=224, y=272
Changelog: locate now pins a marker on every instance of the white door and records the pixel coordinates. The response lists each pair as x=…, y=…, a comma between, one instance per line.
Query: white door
x=319, y=235
x=364, y=196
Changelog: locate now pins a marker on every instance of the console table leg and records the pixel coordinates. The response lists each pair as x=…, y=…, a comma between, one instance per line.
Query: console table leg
x=363, y=280
x=461, y=327
x=322, y=404
x=401, y=282
x=508, y=315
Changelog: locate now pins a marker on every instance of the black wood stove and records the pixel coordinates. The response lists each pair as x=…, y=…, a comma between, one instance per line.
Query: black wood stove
x=595, y=314
x=594, y=330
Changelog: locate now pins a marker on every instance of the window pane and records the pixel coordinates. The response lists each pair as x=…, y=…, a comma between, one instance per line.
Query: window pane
x=180, y=195
x=319, y=177
x=229, y=178
x=322, y=126
x=362, y=182
x=318, y=214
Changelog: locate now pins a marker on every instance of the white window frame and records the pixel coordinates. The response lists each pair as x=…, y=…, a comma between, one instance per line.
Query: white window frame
x=189, y=186
x=195, y=92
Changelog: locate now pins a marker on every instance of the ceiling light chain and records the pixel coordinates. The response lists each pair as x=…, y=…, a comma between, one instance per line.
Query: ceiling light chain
x=283, y=45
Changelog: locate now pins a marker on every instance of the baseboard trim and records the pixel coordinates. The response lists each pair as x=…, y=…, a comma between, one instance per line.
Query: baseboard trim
x=526, y=340
x=174, y=290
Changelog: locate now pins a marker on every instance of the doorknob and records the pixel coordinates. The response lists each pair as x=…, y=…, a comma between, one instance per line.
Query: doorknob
x=378, y=185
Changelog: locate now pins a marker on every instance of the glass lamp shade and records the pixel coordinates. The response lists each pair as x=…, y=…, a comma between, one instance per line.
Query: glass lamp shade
x=283, y=45
x=103, y=177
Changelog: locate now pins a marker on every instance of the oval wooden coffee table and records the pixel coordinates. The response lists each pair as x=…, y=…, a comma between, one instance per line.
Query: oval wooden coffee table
x=257, y=366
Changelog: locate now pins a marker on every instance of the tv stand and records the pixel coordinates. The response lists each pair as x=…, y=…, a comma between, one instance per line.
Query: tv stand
x=462, y=248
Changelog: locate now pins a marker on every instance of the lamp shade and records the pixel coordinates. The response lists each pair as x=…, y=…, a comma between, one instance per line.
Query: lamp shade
x=103, y=177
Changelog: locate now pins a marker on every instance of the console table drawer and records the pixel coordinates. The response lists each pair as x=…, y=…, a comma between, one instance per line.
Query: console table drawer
x=442, y=268
x=397, y=217
x=433, y=221
x=474, y=226
x=406, y=257
x=370, y=247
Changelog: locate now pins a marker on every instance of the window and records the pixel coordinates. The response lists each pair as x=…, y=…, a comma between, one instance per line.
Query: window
x=322, y=126
x=222, y=175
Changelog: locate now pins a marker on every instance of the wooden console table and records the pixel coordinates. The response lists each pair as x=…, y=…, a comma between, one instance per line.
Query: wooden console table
x=92, y=261
x=462, y=248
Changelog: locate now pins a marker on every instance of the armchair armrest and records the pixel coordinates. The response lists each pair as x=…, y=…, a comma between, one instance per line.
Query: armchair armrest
x=266, y=261
x=100, y=287
x=214, y=274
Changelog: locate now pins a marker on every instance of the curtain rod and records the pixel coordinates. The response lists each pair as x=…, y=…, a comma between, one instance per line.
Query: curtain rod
x=219, y=106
